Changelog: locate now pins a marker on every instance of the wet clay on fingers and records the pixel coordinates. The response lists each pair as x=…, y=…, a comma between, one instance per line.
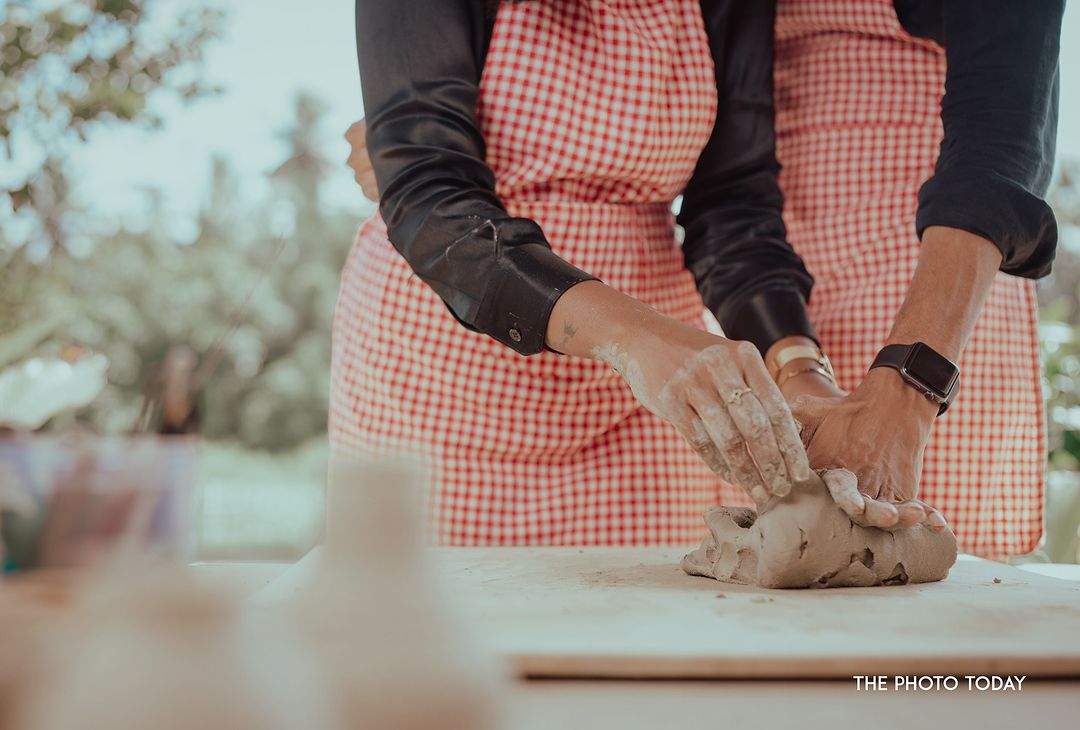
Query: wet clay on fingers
x=805, y=540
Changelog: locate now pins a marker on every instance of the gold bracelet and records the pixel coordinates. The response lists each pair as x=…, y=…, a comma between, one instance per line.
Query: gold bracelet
x=808, y=369
x=801, y=352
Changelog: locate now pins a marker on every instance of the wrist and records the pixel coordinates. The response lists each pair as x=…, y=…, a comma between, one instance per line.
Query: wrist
x=809, y=382
x=782, y=344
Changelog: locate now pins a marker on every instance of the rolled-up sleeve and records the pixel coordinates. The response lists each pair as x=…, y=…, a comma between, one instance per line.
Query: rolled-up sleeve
x=1000, y=117
x=420, y=63
x=735, y=240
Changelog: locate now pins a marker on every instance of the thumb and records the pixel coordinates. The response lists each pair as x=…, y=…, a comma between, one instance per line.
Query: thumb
x=843, y=485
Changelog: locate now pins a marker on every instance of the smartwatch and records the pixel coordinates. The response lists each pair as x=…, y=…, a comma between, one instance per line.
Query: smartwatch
x=923, y=368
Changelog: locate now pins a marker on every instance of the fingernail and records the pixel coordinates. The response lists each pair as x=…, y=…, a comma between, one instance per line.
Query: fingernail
x=881, y=513
x=859, y=503
x=935, y=521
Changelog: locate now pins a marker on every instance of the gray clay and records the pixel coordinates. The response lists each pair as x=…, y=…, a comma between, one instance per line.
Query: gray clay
x=806, y=541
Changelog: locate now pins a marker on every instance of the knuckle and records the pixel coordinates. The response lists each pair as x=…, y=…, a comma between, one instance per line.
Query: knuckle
x=746, y=349
x=734, y=448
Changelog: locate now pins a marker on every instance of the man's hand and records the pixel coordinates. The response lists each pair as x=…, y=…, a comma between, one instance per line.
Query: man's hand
x=869, y=447
x=871, y=442
x=359, y=160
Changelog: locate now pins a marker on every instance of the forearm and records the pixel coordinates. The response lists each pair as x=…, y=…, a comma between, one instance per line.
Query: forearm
x=592, y=320
x=950, y=285
x=951, y=282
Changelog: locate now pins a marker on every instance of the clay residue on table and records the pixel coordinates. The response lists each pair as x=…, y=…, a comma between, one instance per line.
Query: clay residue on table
x=806, y=541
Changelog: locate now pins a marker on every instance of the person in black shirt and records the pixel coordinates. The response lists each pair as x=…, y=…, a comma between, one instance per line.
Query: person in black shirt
x=982, y=210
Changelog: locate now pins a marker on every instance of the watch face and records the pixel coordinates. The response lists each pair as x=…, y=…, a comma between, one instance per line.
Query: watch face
x=931, y=369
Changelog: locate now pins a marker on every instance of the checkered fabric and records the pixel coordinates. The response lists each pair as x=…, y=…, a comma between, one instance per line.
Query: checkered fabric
x=858, y=103
x=594, y=113
x=554, y=450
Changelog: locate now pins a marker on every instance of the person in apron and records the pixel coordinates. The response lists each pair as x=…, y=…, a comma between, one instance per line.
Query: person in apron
x=509, y=468
x=862, y=87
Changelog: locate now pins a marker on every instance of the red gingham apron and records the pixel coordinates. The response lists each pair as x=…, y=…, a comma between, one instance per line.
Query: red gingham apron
x=554, y=450
x=594, y=113
x=858, y=105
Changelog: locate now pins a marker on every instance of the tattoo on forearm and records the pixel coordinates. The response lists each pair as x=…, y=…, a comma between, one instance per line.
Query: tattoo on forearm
x=568, y=332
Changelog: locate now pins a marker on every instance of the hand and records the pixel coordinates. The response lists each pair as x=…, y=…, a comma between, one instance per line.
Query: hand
x=359, y=160
x=718, y=394
x=868, y=447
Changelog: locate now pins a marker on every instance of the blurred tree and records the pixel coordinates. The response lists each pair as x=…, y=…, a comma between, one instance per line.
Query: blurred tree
x=132, y=294
x=271, y=270
x=1059, y=297
x=67, y=66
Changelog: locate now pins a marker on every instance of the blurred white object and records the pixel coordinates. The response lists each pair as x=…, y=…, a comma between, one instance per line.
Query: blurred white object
x=77, y=498
x=34, y=391
x=146, y=648
x=367, y=642
x=375, y=615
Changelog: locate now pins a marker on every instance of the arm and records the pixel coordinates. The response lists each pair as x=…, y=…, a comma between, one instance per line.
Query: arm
x=1000, y=118
x=748, y=275
x=981, y=211
x=736, y=245
x=420, y=64
x=735, y=241
x=498, y=275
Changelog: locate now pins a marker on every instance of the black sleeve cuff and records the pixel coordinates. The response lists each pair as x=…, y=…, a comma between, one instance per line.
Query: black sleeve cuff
x=1018, y=222
x=766, y=316
x=528, y=280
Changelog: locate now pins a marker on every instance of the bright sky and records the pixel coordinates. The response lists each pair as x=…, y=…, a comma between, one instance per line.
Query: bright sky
x=273, y=49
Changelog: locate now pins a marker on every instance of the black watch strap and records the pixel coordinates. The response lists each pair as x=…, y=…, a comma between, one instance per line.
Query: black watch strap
x=923, y=368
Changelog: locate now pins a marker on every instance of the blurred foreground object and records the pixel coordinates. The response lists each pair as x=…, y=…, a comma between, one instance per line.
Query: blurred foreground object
x=375, y=612
x=366, y=643
x=73, y=500
x=40, y=388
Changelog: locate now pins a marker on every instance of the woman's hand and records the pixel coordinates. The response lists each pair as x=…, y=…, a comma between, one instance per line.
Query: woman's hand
x=359, y=160
x=715, y=392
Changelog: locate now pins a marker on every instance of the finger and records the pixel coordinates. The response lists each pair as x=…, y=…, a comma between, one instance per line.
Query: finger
x=879, y=514
x=356, y=134
x=690, y=427
x=909, y=513
x=776, y=408
x=934, y=519
x=844, y=487
x=753, y=423
x=724, y=435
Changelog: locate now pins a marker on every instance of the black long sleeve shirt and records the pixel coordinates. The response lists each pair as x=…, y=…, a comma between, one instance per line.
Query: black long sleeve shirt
x=420, y=64
x=1000, y=116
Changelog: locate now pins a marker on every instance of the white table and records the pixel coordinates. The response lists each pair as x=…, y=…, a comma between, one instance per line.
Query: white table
x=505, y=587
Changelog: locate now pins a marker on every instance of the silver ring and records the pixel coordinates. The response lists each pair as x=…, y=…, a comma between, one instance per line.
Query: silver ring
x=734, y=396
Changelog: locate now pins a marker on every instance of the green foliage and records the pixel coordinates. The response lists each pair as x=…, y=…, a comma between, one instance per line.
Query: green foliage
x=1060, y=327
x=133, y=294
x=1060, y=335
x=68, y=66
x=276, y=264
